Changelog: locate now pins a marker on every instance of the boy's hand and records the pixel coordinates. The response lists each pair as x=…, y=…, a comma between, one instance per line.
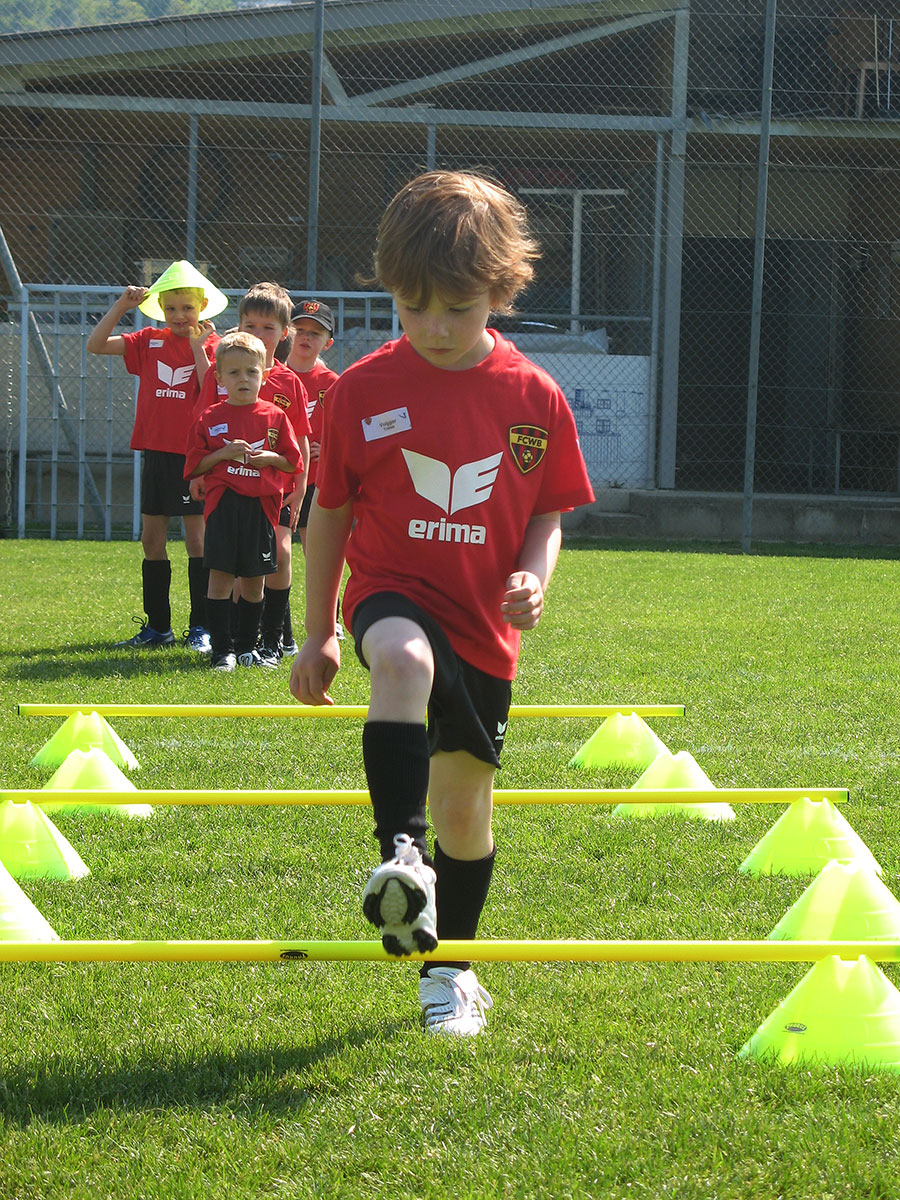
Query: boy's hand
x=131, y=298
x=524, y=600
x=200, y=332
x=197, y=488
x=239, y=450
x=314, y=448
x=294, y=502
x=314, y=669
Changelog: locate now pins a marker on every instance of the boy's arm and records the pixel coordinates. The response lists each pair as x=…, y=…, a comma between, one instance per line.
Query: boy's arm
x=197, y=338
x=319, y=659
x=524, y=600
x=101, y=340
x=294, y=498
x=238, y=450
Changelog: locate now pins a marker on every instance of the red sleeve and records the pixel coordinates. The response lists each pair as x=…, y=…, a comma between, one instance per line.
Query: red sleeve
x=136, y=349
x=197, y=446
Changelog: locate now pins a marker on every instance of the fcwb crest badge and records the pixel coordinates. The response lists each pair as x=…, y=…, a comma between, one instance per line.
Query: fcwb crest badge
x=528, y=444
x=272, y=438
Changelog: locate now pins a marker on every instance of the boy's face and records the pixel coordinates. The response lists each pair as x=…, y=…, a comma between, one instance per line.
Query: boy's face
x=448, y=333
x=266, y=327
x=310, y=339
x=241, y=374
x=182, y=309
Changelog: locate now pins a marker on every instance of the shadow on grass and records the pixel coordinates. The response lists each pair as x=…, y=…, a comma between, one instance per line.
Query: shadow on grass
x=268, y=1079
x=47, y=663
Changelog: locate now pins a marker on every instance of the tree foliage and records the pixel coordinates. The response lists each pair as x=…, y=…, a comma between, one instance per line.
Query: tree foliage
x=27, y=16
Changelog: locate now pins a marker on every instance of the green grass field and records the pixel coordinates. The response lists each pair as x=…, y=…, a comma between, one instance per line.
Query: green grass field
x=315, y=1080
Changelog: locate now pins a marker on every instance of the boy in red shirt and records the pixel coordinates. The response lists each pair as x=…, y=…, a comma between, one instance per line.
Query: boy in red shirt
x=454, y=455
x=247, y=452
x=170, y=363
x=313, y=324
x=265, y=312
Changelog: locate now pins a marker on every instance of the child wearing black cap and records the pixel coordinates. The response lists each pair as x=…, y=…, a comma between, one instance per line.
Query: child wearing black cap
x=313, y=324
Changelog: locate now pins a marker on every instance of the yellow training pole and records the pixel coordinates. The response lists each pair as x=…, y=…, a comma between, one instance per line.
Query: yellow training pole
x=323, y=711
x=252, y=798
x=475, y=951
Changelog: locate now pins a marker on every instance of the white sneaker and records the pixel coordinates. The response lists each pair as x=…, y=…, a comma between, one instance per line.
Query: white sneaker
x=399, y=900
x=453, y=1002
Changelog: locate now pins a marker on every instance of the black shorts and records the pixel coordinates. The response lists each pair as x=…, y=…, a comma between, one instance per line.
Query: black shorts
x=164, y=489
x=284, y=517
x=308, y=497
x=468, y=709
x=240, y=539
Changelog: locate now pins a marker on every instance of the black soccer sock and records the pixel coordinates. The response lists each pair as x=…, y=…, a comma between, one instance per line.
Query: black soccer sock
x=460, y=893
x=275, y=603
x=249, y=615
x=198, y=586
x=395, y=754
x=156, y=574
x=218, y=613
x=287, y=633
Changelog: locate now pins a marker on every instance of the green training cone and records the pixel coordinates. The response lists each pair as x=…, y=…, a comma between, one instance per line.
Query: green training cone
x=31, y=847
x=619, y=742
x=82, y=732
x=91, y=770
x=846, y=902
x=20, y=921
x=178, y=275
x=840, y=1013
x=804, y=839
x=679, y=770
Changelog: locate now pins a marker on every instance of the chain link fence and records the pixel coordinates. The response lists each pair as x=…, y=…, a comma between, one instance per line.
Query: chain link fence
x=264, y=143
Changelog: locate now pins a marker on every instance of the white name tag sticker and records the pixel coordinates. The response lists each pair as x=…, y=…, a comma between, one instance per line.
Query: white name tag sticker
x=215, y=430
x=155, y=343
x=386, y=424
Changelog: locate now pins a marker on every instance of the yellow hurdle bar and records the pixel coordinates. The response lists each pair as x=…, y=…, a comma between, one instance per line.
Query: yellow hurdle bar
x=323, y=711
x=249, y=797
x=474, y=951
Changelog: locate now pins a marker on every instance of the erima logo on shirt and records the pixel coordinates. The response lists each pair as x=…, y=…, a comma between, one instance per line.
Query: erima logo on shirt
x=174, y=378
x=470, y=485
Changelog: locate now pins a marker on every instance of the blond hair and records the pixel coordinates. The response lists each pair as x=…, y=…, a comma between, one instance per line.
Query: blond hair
x=456, y=233
x=247, y=343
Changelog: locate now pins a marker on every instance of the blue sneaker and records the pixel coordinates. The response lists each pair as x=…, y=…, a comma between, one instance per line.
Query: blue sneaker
x=197, y=639
x=147, y=638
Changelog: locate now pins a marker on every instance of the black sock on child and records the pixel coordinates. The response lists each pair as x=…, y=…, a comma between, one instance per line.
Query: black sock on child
x=395, y=754
x=156, y=575
x=218, y=613
x=460, y=894
x=275, y=603
x=198, y=586
x=249, y=615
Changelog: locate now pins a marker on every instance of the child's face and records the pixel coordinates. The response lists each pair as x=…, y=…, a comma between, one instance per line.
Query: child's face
x=266, y=327
x=310, y=340
x=448, y=333
x=182, y=310
x=241, y=374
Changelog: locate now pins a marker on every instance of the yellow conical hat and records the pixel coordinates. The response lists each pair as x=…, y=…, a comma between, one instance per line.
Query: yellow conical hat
x=182, y=274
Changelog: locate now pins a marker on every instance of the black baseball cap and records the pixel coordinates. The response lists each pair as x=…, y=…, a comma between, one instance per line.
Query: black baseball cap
x=316, y=311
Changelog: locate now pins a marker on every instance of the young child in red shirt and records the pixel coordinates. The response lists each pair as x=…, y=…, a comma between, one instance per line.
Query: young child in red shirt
x=247, y=452
x=313, y=324
x=170, y=363
x=265, y=311
x=451, y=455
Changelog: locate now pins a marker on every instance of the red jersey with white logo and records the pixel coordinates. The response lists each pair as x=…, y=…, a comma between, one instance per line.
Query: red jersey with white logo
x=445, y=470
x=317, y=382
x=265, y=427
x=168, y=389
x=282, y=387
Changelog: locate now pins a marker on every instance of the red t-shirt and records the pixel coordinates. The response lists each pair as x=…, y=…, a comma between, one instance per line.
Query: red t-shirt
x=445, y=470
x=262, y=425
x=168, y=389
x=282, y=387
x=317, y=381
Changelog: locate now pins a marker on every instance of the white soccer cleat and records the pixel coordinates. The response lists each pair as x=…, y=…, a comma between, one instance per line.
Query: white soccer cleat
x=453, y=1002
x=399, y=900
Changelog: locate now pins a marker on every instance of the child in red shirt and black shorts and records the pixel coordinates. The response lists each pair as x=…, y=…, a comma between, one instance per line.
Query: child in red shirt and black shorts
x=170, y=363
x=247, y=452
x=451, y=455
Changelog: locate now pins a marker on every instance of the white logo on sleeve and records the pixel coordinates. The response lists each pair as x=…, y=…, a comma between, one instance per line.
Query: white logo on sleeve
x=470, y=485
x=174, y=379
